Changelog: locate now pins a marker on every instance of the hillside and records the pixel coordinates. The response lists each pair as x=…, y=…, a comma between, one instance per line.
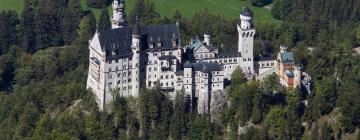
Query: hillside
x=229, y=8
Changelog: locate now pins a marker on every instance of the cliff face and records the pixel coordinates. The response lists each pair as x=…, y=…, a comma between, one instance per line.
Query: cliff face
x=217, y=103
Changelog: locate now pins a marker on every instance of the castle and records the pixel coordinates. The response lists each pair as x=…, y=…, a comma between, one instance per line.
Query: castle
x=128, y=58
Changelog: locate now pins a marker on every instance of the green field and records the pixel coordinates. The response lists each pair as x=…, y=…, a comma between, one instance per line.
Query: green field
x=11, y=5
x=228, y=8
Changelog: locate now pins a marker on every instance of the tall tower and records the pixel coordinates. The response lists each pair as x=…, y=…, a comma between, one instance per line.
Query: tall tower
x=119, y=17
x=135, y=73
x=246, y=40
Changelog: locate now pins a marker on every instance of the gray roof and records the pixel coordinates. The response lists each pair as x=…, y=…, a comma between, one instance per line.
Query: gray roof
x=246, y=12
x=289, y=74
x=95, y=60
x=167, y=57
x=187, y=64
x=197, y=44
x=266, y=58
x=179, y=72
x=228, y=54
x=119, y=40
x=287, y=57
x=206, y=67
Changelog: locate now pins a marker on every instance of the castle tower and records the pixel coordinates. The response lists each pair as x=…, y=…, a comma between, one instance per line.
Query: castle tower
x=297, y=77
x=207, y=36
x=135, y=73
x=283, y=48
x=119, y=17
x=246, y=40
x=187, y=80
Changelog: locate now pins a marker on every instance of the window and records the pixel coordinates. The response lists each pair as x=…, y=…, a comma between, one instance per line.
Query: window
x=149, y=69
x=172, y=83
x=167, y=84
x=172, y=76
x=110, y=69
x=249, y=59
x=155, y=62
x=244, y=59
x=155, y=54
x=129, y=72
x=119, y=74
x=124, y=88
x=110, y=76
x=167, y=76
x=110, y=83
x=116, y=68
x=129, y=80
x=161, y=77
x=162, y=84
x=119, y=82
x=170, y=53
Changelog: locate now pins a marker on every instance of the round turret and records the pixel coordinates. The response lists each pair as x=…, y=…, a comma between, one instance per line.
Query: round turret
x=207, y=36
x=246, y=18
x=283, y=48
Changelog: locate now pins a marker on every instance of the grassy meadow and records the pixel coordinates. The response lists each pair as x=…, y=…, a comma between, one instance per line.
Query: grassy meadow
x=228, y=8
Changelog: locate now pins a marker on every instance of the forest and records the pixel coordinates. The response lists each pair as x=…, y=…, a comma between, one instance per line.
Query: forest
x=44, y=63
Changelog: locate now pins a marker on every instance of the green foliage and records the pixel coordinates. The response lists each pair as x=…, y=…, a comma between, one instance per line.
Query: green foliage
x=104, y=21
x=8, y=32
x=260, y=3
x=281, y=9
x=87, y=28
x=144, y=10
x=202, y=129
x=96, y=3
x=70, y=21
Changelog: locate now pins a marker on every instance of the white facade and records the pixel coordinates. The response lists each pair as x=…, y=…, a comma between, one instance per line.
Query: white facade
x=129, y=58
x=118, y=19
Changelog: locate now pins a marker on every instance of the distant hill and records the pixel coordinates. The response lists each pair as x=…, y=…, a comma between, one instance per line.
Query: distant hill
x=228, y=8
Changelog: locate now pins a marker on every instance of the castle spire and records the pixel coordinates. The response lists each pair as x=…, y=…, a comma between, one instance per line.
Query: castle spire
x=119, y=19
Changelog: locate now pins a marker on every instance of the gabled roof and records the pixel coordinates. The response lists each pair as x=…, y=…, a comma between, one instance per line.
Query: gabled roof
x=196, y=44
x=287, y=57
x=119, y=40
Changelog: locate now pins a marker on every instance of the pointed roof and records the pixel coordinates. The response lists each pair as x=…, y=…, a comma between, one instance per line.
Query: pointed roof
x=246, y=12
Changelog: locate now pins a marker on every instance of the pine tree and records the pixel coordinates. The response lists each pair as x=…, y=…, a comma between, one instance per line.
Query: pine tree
x=87, y=28
x=27, y=27
x=8, y=32
x=71, y=21
x=281, y=9
x=178, y=121
x=104, y=22
x=47, y=21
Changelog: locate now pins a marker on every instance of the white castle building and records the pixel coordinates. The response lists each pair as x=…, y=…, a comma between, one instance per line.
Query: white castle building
x=128, y=58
